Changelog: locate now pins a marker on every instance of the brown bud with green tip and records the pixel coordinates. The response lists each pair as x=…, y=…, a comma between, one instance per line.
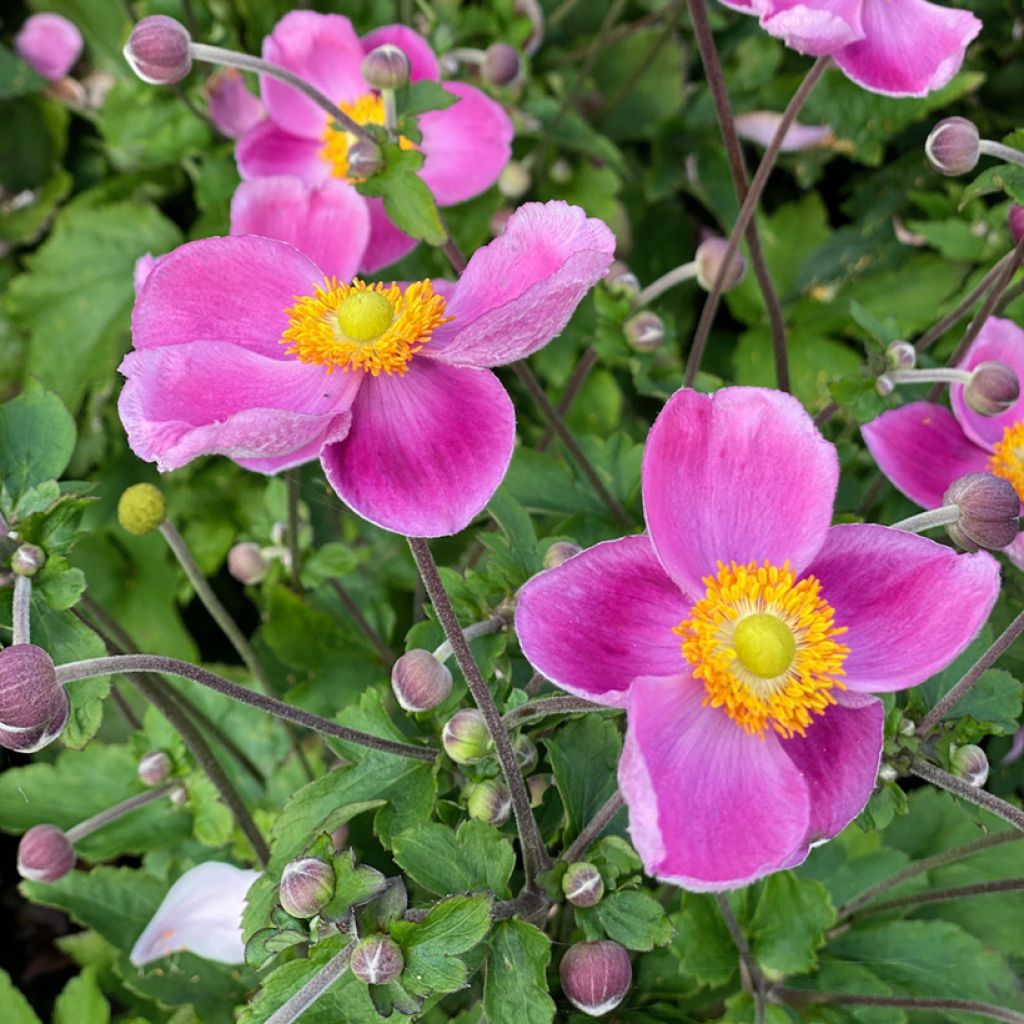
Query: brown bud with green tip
x=582, y=884
x=45, y=854
x=596, y=976
x=377, y=960
x=989, y=512
x=307, y=885
x=420, y=682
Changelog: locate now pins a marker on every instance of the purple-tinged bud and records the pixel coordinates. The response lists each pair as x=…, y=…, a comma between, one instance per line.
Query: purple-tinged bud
x=559, y=553
x=377, y=960
x=538, y=785
x=386, y=67
x=525, y=751
x=709, y=257
x=989, y=512
x=45, y=854
x=992, y=389
x=141, y=508
x=28, y=741
x=30, y=695
x=582, y=884
x=901, y=355
x=970, y=764
x=644, y=332
x=49, y=44
x=886, y=773
x=247, y=564
x=465, y=737
x=514, y=180
x=596, y=976
x=501, y=64
x=159, y=50
x=1015, y=220
x=178, y=796
x=339, y=837
x=953, y=146
x=489, y=802
x=364, y=160
x=154, y=768
x=307, y=884
x=27, y=560
x=885, y=385
x=620, y=280
x=420, y=681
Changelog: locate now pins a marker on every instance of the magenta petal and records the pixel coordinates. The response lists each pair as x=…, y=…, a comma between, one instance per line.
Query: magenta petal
x=232, y=108
x=519, y=291
x=601, y=619
x=49, y=44
x=265, y=149
x=742, y=475
x=910, y=605
x=815, y=27
x=387, y=244
x=422, y=62
x=921, y=448
x=743, y=6
x=910, y=47
x=1015, y=551
x=426, y=450
x=466, y=146
x=710, y=807
x=330, y=223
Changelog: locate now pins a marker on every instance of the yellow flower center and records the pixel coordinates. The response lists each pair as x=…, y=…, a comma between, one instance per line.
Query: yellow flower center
x=368, y=109
x=1007, y=458
x=373, y=327
x=763, y=644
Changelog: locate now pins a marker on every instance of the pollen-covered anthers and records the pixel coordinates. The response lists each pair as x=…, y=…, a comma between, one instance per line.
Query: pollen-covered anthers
x=373, y=327
x=368, y=109
x=763, y=645
x=1007, y=458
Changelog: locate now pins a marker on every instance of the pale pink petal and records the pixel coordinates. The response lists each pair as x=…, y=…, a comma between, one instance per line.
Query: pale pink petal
x=909, y=604
x=387, y=244
x=760, y=126
x=910, y=47
x=225, y=289
x=232, y=108
x=143, y=266
x=815, y=27
x=267, y=149
x=466, y=146
x=422, y=62
x=212, y=397
x=742, y=475
x=201, y=914
x=519, y=291
x=601, y=619
x=1016, y=551
x=329, y=223
x=743, y=6
x=49, y=44
x=426, y=451
x=710, y=807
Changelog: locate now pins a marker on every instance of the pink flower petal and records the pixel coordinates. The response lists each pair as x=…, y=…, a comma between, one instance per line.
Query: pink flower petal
x=426, y=451
x=143, y=267
x=49, y=44
x=266, y=149
x=742, y=475
x=743, y=6
x=1016, y=551
x=233, y=109
x=910, y=605
x=212, y=397
x=201, y=914
x=601, y=619
x=760, y=126
x=330, y=223
x=710, y=807
x=922, y=449
x=387, y=244
x=422, y=62
x=466, y=146
x=815, y=27
x=910, y=47
x=520, y=290
x=224, y=289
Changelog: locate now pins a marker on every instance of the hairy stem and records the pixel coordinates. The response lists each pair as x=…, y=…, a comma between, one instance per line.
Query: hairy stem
x=21, y=611
x=929, y=519
x=537, y=709
x=97, y=821
x=314, y=988
x=677, y=275
x=572, y=388
x=495, y=624
x=953, y=892
x=753, y=978
x=592, y=830
x=384, y=652
x=979, y=797
x=796, y=996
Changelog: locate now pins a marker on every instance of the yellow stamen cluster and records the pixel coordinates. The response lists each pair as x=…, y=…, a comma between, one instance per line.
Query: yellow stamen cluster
x=373, y=327
x=368, y=109
x=763, y=645
x=1007, y=459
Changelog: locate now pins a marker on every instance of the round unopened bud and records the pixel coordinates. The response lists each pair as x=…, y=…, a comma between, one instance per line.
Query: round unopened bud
x=141, y=508
x=364, y=160
x=465, y=737
x=885, y=385
x=377, y=960
x=526, y=753
x=159, y=50
x=901, y=355
x=561, y=172
x=953, y=146
x=178, y=796
x=501, y=64
x=489, y=801
x=989, y=512
x=29, y=692
x=992, y=389
x=420, y=681
x=970, y=764
x=887, y=773
x=710, y=254
x=307, y=884
x=1015, y=220
x=514, y=180
x=644, y=332
x=386, y=67
x=595, y=976
x=620, y=280
x=246, y=563
x=27, y=560
x=907, y=727
x=154, y=768
x=582, y=884
x=45, y=854
x=538, y=785
x=559, y=553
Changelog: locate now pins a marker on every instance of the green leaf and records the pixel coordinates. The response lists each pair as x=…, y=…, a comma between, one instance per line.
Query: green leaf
x=515, y=983
x=354, y=885
x=407, y=201
x=37, y=437
x=1008, y=178
x=702, y=942
x=14, y=1007
x=837, y=976
x=632, y=917
x=212, y=820
x=788, y=925
x=423, y=96
x=81, y=1002
x=16, y=77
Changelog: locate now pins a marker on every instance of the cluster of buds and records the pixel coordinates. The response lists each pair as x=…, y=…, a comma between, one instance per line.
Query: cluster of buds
x=34, y=707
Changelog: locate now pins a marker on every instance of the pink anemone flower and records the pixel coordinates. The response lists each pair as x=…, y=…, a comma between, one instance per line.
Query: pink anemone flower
x=49, y=44
x=245, y=348
x=465, y=146
x=894, y=47
x=922, y=447
x=744, y=635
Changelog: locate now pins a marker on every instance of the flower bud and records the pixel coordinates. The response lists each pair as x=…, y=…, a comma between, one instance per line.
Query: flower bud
x=992, y=389
x=538, y=785
x=561, y=172
x=885, y=385
x=489, y=801
x=27, y=560
x=886, y=773
x=420, y=681
x=178, y=796
x=620, y=280
x=514, y=180
x=364, y=160
x=970, y=764
x=526, y=753
x=159, y=50
x=307, y=884
x=141, y=508
x=49, y=44
x=30, y=695
x=386, y=67
x=246, y=563
x=582, y=884
x=501, y=64
x=465, y=737
x=901, y=355
x=989, y=512
x=154, y=768
x=644, y=332
x=377, y=960
x=710, y=254
x=1015, y=220
x=560, y=552
x=953, y=146
x=45, y=854
x=595, y=976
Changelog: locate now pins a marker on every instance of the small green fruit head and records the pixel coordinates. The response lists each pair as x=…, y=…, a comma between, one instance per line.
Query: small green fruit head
x=141, y=509
x=420, y=682
x=596, y=976
x=377, y=960
x=489, y=802
x=45, y=854
x=970, y=764
x=154, y=768
x=307, y=885
x=582, y=884
x=465, y=737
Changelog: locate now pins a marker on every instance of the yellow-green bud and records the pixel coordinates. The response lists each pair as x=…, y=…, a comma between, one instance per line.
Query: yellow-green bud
x=559, y=552
x=970, y=764
x=489, y=801
x=582, y=884
x=141, y=509
x=465, y=737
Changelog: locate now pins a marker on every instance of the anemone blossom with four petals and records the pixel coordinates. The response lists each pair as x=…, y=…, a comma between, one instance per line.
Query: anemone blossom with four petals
x=744, y=635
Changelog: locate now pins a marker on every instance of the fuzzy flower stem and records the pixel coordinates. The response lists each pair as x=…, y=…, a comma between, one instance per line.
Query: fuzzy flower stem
x=593, y=829
x=314, y=988
x=928, y=520
x=495, y=624
x=538, y=709
x=535, y=856
x=935, y=775
x=390, y=113
x=383, y=651
x=1007, y=154
x=21, y=617
x=97, y=821
x=796, y=996
x=292, y=537
x=575, y=383
x=127, y=664
x=684, y=272
x=747, y=209
x=972, y=675
x=750, y=971
x=938, y=375
x=954, y=892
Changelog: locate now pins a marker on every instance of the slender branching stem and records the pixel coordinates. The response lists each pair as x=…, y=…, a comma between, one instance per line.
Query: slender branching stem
x=537, y=709
x=938, y=375
x=97, y=821
x=384, y=652
x=21, y=611
x=796, y=996
x=495, y=624
x=929, y=519
x=972, y=794
x=953, y=892
x=684, y=272
x=314, y=988
x=588, y=360
x=1007, y=154
x=751, y=973
x=591, y=832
